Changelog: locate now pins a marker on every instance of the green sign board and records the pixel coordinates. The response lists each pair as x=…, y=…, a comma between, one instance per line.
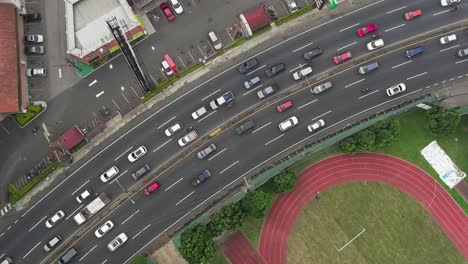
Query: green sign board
x=332, y=3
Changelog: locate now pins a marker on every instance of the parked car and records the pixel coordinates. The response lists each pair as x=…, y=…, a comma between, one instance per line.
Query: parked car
x=166, y=68
x=109, y=174
x=292, y=6
x=396, y=89
x=172, y=130
x=309, y=55
x=104, y=229
x=54, y=219
x=449, y=2
x=36, y=72
x=275, y=69
x=288, y=123
x=414, y=51
x=34, y=38
x=151, y=188
x=83, y=196
x=201, y=178
x=367, y=29
x=248, y=65
x=376, y=44
x=413, y=14
x=166, y=10
x=316, y=125
x=267, y=91
x=462, y=53
x=137, y=153
x=217, y=44
x=282, y=107
x=142, y=171
x=34, y=50
x=52, y=243
x=117, y=242
x=343, y=57
x=32, y=17
x=249, y=124
x=252, y=82
x=177, y=7
x=447, y=39
x=206, y=151
x=365, y=69
x=301, y=74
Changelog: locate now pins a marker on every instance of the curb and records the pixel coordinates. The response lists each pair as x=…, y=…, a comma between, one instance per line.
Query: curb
x=44, y=108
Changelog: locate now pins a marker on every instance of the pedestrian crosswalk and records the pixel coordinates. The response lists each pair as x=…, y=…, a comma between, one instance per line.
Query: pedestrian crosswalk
x=5, y=209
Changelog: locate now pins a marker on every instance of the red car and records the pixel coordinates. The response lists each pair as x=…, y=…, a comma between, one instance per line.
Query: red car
x=151, y=188
x=343, y=57
x=368, y=29
x=286, y=105
x=167, y=11
x=413, y=14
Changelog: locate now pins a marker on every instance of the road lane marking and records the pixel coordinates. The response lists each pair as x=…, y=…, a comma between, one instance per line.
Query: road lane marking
x=29, y=252
x=184, y=198
x=317, y=117
x=251, y=90
x=441, y=12
x=351, y=84
x=415, y=76
x=92, y=83
x=1, y=256
x=40, y=221
x=206, y=97
x=401, y=64
x=206, y=116
x=228, y=167
x=368, y=94
x=120, y=185
x=130, y=148
x=165, y=123
x=163, y=144
x=346, y=28
x=461, y=61
x=219, y=152
x=173, y=184
x=306, y=104
x=104, y=261
x=306, y=45
x=73, y=213
x=118, y=176
x=266, y=144
x=99, y=94
x=137, y=234
x=84, y=256
x=261, y=127
x=458, y=77
x=394, y=10
x=128, y=218
x=395, y=27
x=73, y=193
x=256, y=70
x=449, y=48
x=344, y=47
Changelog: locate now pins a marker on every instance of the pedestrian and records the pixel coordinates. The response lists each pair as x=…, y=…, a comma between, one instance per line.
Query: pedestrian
x=317, y=197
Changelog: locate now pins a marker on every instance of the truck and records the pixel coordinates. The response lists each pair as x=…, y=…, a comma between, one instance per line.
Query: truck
x=223, y=99
x=191, y=136
x=92, y=208
x=321, y=87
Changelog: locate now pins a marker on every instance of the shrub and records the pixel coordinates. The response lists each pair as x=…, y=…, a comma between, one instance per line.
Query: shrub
x=441, y=121
x=256, y=202
x=284, y=182
x=230, y=218
x=197, y=245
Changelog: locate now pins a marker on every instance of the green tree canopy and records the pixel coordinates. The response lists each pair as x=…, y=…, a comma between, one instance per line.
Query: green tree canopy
x=231, y=217
x=284, y=182
x=441, y=121
x=197, y=245
x=256, y=202
x=348, y=145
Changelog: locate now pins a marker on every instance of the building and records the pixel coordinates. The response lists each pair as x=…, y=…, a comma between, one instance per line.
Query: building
x=88, y=36
x=254, y=19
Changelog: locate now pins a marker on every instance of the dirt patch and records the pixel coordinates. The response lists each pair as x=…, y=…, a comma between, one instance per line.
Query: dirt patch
x=168, y=254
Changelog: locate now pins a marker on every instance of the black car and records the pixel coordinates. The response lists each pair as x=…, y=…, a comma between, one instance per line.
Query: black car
x=275, y=69
x=244, y=127
x=308, y=56
x=248, y=65
x=202, y=177
x=33, y=17
x=34, y=50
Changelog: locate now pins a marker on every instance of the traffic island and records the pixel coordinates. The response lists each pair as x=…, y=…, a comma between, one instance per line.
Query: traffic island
x=33, y=110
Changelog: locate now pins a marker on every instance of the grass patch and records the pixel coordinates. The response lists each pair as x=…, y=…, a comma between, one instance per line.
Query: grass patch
x=253, y=226
x=261, y=31
x=140, y=21
x=291, y=16
x=398, y=229
x=170, y=81
x=16, y=195
x=218, y=258
x=79, y=146
x=32, y=111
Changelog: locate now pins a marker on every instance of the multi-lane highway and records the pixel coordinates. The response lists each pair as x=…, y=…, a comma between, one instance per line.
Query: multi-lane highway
x=145, y=218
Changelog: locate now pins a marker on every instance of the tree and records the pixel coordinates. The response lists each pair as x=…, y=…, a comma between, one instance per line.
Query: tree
x=386, y=131
x=231, y=217
x=348, y=145
x=256, y=202
x=197, y=245
x=284, y=182
x=442, y=121
x=365, y=140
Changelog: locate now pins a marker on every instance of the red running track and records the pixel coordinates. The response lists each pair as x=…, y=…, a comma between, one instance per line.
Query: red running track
x=341, y=169
x=239, y=250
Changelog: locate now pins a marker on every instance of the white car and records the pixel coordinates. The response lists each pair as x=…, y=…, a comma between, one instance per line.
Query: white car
x=117, y=242
x=80, y=198
x=449, y=2
x=376, y=44
x=396, y=89
x=53, y=220
x=302, y=73
x=316, y=125
x=137, y=153
x=109, y=174
x=104, y=229
x=36, y=72
x=166, y=69
x=200, y=112
x=170, y=131
x=447, y=39
x=177, y=7
x=217, y=45
x=288, y=123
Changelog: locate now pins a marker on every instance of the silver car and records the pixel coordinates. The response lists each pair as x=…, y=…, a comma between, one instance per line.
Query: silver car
x=252, y=82
x=265, y=92
x=207, y=151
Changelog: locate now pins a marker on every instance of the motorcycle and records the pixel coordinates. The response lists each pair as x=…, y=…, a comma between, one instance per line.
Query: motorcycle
x=454, y=8
x=376, y=35
x=364, y=90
